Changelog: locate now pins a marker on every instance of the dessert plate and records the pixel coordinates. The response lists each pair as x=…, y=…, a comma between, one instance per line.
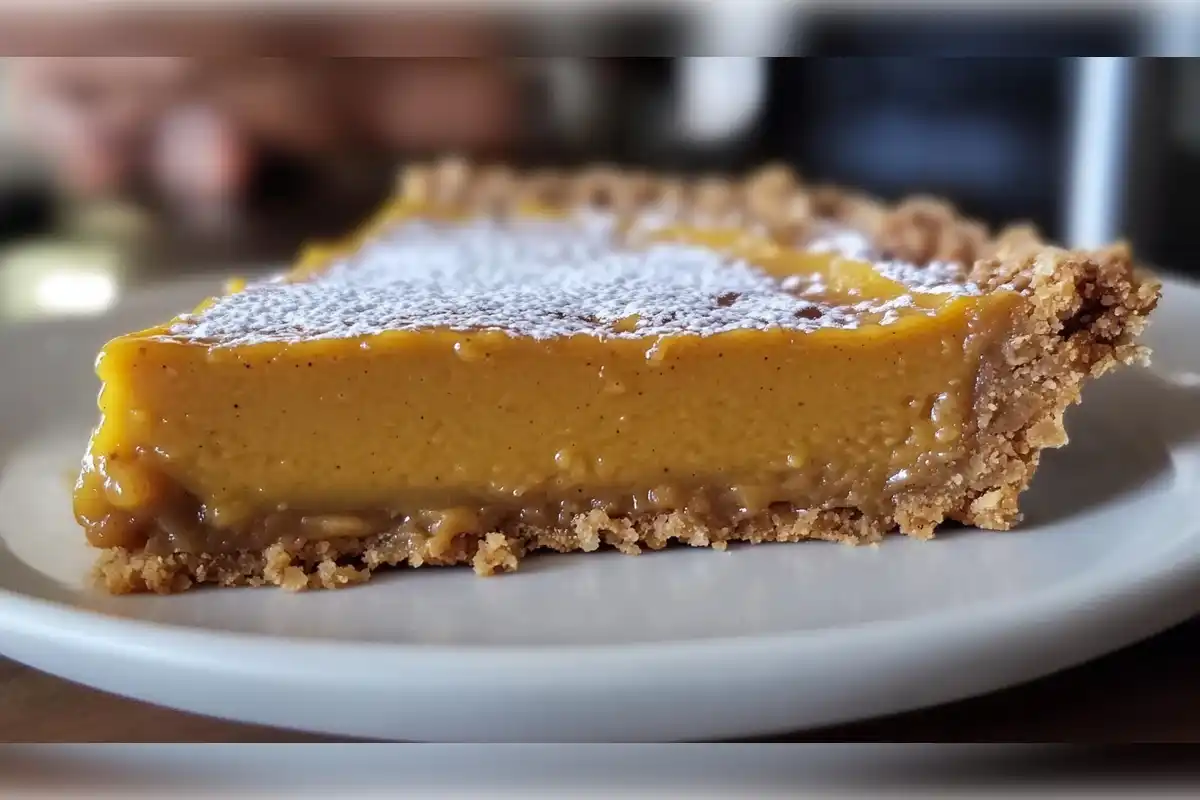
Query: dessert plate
x=679, y=644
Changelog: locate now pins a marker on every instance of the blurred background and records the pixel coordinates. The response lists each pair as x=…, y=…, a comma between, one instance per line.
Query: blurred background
x=117, y=169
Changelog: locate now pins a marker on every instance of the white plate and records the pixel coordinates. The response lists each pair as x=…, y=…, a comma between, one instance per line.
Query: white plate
x=681, y=644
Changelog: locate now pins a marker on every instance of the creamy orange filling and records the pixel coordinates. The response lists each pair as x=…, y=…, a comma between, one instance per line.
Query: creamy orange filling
x=477, y=428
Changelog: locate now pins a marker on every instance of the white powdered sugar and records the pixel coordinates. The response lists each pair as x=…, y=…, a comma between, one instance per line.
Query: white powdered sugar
x=936, y=277
x=889, y=309
x=843, y=241
x=536, y=278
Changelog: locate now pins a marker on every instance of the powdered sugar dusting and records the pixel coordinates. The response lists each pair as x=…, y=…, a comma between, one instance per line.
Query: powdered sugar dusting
x=535, y=278
x=937, y=277
x=843, y=241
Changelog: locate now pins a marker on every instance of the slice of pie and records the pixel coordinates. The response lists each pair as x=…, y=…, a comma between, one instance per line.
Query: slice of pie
x=504, y=363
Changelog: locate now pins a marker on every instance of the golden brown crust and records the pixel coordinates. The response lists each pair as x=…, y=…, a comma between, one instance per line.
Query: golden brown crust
x=1087, y=310
x=917, y=230
x=1084, y=313
x=923, y=229
x=338, y=563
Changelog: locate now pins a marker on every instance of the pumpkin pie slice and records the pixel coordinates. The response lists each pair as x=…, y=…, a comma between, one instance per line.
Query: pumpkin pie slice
x=502, y=363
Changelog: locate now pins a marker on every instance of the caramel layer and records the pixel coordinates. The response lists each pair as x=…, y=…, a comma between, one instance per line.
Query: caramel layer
x=180, y=524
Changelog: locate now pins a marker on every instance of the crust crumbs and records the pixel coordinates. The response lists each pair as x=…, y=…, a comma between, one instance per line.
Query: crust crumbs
x=339, y=563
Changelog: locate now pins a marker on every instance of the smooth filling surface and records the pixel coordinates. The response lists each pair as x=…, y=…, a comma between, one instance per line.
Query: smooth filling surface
x=459, y=377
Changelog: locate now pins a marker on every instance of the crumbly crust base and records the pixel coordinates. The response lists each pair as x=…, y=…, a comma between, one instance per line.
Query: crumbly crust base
x=1086, y=310
x=338, y=563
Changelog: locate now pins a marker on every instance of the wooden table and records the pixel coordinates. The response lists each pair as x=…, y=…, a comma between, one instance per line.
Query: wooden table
x=1148, y=692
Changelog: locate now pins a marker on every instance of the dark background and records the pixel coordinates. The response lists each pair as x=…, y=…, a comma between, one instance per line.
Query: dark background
x=977, y=108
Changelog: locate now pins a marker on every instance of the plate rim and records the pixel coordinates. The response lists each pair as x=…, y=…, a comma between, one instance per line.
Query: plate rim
x=19, y=610
x=1104, y=608
x=1141, y=607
